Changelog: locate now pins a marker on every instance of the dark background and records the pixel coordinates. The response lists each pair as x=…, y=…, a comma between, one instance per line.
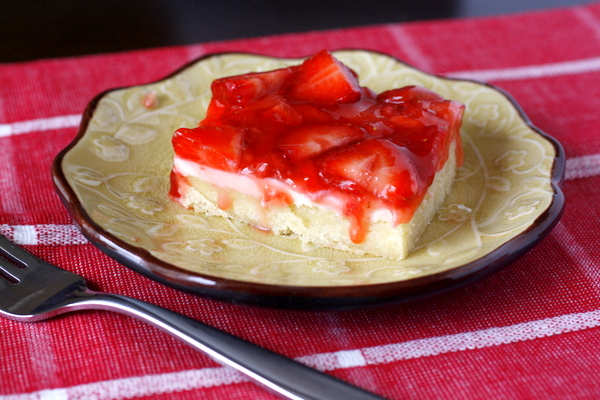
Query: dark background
x=33, y=29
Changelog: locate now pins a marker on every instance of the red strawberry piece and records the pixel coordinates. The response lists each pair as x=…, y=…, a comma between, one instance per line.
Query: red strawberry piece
x=425, y=141
x=213, y=112
x=311, y=140
x=252, y=113
x=242, y=89
x=313, y=114
x=407, y=94
x=324, y=80
x=283, y=113
x=218, y=147
x=405, y=123
x=450, y=111
x=375, y=167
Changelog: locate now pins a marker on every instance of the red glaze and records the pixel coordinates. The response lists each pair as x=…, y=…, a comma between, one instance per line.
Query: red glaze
x=314, y=127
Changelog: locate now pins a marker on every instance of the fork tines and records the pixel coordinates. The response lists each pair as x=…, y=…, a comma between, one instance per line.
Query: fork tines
x=17, y=255
x=5, y=268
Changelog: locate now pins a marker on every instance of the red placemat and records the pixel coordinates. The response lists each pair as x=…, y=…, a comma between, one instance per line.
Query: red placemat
x=528, y=332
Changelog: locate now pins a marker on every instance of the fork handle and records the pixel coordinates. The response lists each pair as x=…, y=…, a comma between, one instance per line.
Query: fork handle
x=282, y=375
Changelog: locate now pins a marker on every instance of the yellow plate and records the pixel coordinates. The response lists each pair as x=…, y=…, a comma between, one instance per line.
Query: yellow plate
x=114, y=179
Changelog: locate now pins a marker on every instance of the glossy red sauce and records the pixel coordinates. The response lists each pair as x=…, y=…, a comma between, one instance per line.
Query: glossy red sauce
x=315, y=128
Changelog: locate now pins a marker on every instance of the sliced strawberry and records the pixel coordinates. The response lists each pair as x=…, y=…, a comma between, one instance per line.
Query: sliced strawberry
x=376, y=167
x=408, y=93
x=242, y=89
x=267, y=164
x=283, y=113
x=424, y=142
x=252, y=114
x=452, y=113
x=405, y=123
x=324, y=80
x=448, y=110
x=311, y=140
x=313, y=114
x=217, y=147
x=213, y=112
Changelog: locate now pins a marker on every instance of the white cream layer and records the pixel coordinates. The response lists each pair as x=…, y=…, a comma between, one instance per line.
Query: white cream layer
x=255, y=187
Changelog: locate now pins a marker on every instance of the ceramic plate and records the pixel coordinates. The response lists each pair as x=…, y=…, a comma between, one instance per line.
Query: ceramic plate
x=114, y=179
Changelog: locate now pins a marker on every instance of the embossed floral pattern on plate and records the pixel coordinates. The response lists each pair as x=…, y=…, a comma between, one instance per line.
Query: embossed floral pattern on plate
x=119, y=170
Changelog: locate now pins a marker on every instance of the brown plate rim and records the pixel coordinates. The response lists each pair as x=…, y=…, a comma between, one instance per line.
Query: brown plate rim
x=310, y=297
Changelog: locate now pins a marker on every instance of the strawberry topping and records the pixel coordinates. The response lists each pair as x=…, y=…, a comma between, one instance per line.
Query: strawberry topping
x=315, y=128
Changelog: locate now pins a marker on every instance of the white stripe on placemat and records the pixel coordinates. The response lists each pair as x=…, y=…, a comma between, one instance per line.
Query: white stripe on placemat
x=42, y=124
x=52, y=234
x=148, y=385
x=586, y=262
x=43, y=234
x=25, y=234
x=525, y=72
x=582, y=167
x=531, y=71
x=459, y=342
x=404, y=40
x=589, y=20
x=128, y=388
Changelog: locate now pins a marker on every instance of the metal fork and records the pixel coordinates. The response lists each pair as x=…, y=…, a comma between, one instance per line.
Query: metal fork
x=33, y=290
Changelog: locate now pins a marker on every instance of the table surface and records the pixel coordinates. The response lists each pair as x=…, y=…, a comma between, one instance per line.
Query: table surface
x=530, y=331
x=32, y=29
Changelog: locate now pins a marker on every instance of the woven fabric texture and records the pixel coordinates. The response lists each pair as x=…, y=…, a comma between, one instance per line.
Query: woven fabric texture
x=531, y=331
